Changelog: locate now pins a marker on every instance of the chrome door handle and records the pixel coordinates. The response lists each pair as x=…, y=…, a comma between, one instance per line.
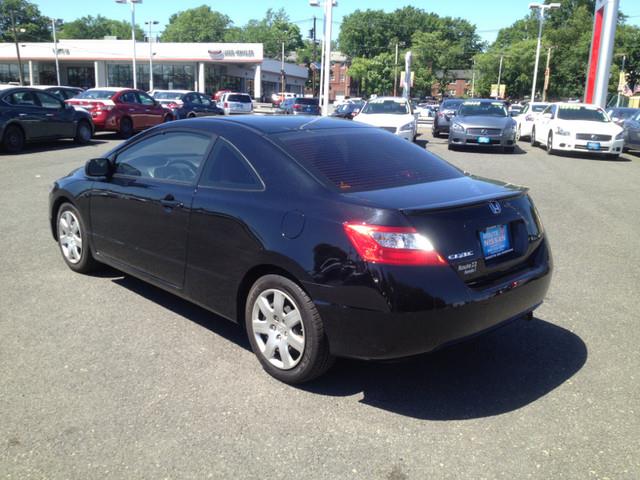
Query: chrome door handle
x=132, y=109
x=23, y=114
x=48, y=114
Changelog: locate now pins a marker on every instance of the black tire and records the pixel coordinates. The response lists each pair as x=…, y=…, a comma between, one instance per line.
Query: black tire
x=435, y=133
x=451, y=146
x=86, y=262
x=167, y=118
x=126, y=127
x=533, y=137
x=84, y=132
x=550, y=151
x=315, y=358
x=509, y=149
x=13, y=139
x=518, y=134
x=613, y=156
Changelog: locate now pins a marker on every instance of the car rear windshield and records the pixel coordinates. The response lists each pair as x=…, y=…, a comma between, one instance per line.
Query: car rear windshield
x=307, y=101
x=485, y=109
x=575, y=112
x=451, y=104
x=97, y=94
x=362, y=159
x=239, y=98
x=168, y=95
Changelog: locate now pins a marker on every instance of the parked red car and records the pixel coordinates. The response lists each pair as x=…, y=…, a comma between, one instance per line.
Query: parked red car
x=216, y=96
x=122, y=110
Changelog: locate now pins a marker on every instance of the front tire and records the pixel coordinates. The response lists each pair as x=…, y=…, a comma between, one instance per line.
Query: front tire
x=73, y=240
x=285, y=330
x=534, y=143
x=13, y=139
x=550, y=150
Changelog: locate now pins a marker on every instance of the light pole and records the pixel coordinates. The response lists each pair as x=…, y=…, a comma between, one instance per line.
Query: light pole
x=150, y=23
x=133, y=34
x=326, y=60
x=395, y=70
x=499, y=77
x=542, y=9
x=624, y=60
x=473, y=79
x=55, y=48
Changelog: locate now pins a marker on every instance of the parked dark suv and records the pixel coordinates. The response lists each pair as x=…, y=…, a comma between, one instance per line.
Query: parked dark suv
x=300, y=106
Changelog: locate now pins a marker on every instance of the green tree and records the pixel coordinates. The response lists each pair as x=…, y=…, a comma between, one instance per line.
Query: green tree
x=99, y=27
x=273, y=30
x=200, y=24
x=374, y=75
x=28, y=17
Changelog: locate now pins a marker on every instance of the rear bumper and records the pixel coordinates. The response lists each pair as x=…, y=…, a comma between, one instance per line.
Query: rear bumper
x=446, y=311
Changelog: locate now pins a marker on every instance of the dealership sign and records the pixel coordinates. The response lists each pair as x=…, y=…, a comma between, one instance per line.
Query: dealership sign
x=231, y=54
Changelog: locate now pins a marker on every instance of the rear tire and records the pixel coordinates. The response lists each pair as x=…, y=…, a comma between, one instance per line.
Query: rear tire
x=126, y=127
x=518, y=134
x=451, y=147
x=73, y=240
x=435, y=133
x=84, y=133
x=13, y=139
x=271, y=301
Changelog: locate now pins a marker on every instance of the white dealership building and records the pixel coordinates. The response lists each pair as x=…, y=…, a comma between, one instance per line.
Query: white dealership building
x=204, y=67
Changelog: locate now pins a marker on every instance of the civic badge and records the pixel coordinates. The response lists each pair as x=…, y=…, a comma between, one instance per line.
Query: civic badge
x=495, y=207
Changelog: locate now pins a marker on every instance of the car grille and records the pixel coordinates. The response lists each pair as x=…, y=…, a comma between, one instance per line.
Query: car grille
x=593, y=137
x=484, y=131
x=494, y=141
x=389, y=129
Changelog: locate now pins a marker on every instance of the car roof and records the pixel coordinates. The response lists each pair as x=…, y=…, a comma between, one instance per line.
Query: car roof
x=401, y=99
x=174, y=91
x=109, y=89
x=577, y=104
x=268, y=124
x=43, y=87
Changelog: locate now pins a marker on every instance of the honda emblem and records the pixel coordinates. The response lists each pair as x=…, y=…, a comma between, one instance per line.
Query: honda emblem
x=495, y=207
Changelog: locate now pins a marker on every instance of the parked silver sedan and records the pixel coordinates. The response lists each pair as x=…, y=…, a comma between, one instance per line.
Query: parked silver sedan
x=483, y=123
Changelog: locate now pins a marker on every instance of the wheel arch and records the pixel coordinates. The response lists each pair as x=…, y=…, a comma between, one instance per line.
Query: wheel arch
x=14, y=123
x=55, y=208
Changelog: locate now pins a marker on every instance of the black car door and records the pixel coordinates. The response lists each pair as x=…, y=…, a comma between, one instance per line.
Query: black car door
x=140, y=215
x=192, y=104
x=60, y=119
x=633, y=131
x=208, y=107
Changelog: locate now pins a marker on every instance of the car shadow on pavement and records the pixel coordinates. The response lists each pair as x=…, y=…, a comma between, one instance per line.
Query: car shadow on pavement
x=489, y=375
x=489, y=151
x=215, y=323
x=54, y=145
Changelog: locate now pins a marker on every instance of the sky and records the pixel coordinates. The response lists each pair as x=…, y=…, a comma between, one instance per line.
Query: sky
x=488, y=15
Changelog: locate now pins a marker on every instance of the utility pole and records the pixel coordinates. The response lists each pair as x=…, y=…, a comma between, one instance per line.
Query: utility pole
x=542, y=8
x=473, y=79
x=328, y=5
x=55, y=48
x=150, y=23
x=282, y=73
x=624, y=60
x=499, y=76
x=547, y=74
x=15, y=38
x=313, y=70
x=395, y=74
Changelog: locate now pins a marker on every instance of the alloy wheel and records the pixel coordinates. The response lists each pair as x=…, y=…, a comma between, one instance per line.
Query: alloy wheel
x=70, y=237
x=278, y=330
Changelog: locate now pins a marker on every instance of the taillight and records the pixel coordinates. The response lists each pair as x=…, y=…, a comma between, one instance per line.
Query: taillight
x=172, y=105
x=100, y=107
x=440, y=114
x=392, y=245
x=226, y=104
x=297, y=106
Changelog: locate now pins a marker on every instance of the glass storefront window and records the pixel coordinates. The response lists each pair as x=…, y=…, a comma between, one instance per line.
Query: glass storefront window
x=47, y=74
x=173, y=76
x=9, y=73
x=83, y=77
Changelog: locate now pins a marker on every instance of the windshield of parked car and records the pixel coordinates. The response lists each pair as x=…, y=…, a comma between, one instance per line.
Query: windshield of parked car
x=540, y=107
x=306, y=101
x=97, y=94
x=239, y=98
x=622, y=112
x=361, y=159
x=450, y=104
x=581, y=112
x=168, y=95
x=485, y=109
x=394, y=107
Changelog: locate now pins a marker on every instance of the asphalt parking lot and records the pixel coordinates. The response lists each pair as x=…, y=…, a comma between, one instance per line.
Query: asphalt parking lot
x=106, y=377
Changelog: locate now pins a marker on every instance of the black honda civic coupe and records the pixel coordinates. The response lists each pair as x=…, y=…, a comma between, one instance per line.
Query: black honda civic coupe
x=323, y=238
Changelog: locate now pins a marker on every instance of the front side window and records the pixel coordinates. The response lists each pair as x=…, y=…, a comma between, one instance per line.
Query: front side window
x=48, y=101
x=170, y=156
x=228, y=168
x=206, y=101
x=146, y=99
x=129, y=97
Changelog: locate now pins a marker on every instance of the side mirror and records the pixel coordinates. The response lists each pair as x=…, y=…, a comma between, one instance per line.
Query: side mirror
x=97, y=167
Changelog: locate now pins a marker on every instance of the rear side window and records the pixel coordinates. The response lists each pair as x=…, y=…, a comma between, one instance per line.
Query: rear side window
x=227, y=168
x=364, y=159
x=23, y=99
x=97, y=94
x=239, y=98
x=129, y=97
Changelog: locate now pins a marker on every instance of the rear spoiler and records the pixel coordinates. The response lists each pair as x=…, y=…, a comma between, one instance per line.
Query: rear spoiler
x=465, y=202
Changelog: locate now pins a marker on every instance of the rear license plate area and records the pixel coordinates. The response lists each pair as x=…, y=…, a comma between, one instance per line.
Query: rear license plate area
x=495, y=241
x=484, y=140
x=593, y=145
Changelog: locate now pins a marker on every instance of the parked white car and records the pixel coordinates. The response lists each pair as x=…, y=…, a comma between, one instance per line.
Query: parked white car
x=580, y=127
x=527, y=116
x=393, y=114
x=233, y=103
